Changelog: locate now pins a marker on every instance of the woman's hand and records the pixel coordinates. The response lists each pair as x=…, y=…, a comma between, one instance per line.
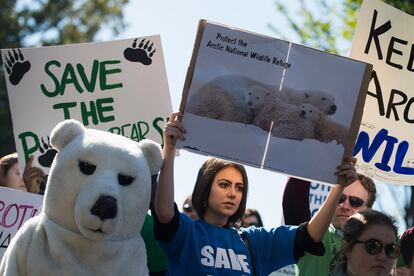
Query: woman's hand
x=173, y=130
x=347, y=171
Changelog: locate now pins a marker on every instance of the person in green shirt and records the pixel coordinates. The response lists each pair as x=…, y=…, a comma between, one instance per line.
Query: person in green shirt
x=358, y=196
x=156, y=258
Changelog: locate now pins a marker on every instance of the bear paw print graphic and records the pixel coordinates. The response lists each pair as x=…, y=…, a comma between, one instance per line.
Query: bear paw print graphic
x=16, y=66
x=141, y=53
x=48, y=154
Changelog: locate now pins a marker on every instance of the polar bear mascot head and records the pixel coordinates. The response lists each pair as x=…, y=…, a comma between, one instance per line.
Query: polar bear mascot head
x=97, y=196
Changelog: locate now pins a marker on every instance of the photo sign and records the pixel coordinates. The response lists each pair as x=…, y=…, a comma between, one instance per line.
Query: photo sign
x=16, y=207
x=118, y=86
x=270, y=103
x=384, y=38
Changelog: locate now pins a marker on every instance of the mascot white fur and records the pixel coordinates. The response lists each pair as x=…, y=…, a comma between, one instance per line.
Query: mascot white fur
x=96, y=199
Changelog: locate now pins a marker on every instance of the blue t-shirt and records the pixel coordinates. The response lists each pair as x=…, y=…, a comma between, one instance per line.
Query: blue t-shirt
x=199, y=248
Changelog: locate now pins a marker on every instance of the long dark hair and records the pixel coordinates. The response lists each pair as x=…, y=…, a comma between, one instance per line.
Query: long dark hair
x=356, y=225
x=204, y=181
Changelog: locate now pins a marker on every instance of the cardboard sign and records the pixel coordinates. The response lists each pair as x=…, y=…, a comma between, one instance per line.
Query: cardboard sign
x=117, y=86
x=384, y=38
x=272, y=104
x=16, y=207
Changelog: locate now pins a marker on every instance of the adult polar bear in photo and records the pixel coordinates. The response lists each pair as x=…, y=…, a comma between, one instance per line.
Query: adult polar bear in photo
x=224, y=98
x=96, y=199
x=289, y=121
x=320, y=99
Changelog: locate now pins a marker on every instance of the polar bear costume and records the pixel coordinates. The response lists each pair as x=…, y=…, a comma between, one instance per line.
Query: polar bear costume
x=96, y=199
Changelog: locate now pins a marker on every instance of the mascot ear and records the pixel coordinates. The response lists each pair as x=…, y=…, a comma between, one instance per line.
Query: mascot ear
x=152, y=153
x=64, y=132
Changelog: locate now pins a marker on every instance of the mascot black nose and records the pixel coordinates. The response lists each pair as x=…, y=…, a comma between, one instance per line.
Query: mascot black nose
x=105, y=207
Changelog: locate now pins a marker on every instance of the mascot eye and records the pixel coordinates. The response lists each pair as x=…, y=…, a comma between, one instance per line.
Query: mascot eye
x=125, y=180
x=86, y=168
x=323, y=99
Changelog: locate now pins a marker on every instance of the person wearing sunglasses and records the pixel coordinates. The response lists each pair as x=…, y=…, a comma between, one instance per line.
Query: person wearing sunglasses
x=358, y=196
x=369, y=245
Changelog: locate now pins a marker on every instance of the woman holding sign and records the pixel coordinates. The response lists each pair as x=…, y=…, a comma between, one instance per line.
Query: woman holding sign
x=210, y=245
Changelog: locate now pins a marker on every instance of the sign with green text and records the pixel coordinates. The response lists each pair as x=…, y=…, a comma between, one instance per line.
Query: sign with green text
x=117, y=86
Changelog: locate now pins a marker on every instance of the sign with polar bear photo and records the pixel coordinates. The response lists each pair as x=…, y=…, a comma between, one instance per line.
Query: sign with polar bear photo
x=260, y=101
x=118, y=86
x=384, y=147
x=16, y=208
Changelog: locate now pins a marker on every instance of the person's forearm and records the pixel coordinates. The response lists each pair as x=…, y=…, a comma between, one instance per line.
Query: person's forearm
x=164, y=196
x=319, y=223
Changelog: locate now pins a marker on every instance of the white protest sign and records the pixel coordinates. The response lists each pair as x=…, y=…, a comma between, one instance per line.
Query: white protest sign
x=15, y=208
x=384, y=38
x=317, y=195
x=117, y=86
x=259, y=101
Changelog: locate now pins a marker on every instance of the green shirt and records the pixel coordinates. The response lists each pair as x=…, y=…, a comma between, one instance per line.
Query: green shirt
x=156, y=259
x=310, y=265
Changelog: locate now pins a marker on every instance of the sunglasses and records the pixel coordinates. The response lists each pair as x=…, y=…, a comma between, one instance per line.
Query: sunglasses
x=374, y=247
x=354, y=201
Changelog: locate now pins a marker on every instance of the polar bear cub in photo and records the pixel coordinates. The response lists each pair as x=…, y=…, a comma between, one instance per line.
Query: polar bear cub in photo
x=96, y=199
x=298, y=124
x=289, y=121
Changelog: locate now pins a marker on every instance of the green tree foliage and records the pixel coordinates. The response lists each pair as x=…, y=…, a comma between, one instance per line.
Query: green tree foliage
x=325, y=24
x=28, y=23
x=329, y=26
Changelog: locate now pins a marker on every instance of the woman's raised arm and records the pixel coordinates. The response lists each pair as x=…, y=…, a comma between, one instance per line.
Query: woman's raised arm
x=319, y=223
x=164, y=196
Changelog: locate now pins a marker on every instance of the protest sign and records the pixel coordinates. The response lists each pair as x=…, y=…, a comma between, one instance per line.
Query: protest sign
x=15, y=208
x=384, y=38
x=272, y=104
x=318, y=193
x=117, y=86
